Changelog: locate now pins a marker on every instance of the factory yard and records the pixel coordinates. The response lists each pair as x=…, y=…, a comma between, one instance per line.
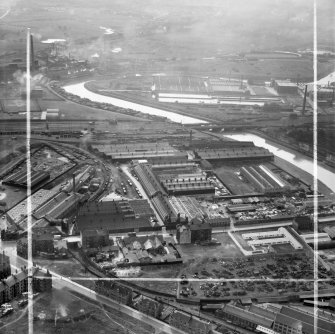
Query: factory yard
x=229, y=177
x=252, y=277
x=196, y=254
x=46, y=159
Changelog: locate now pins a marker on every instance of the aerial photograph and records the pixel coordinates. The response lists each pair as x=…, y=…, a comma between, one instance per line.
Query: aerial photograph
x=167, y=166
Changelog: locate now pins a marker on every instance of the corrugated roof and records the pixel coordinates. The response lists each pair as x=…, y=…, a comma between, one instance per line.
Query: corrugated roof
x=295, y=318
x=247, y=315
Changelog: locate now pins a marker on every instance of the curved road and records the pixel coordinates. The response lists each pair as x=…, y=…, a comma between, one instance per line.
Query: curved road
x=4, y=15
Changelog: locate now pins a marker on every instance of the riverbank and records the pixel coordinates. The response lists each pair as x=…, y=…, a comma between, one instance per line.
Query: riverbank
x=302, y=175
x=322, y=163
x=298, y=160
x=80, y=92
x=147, y=102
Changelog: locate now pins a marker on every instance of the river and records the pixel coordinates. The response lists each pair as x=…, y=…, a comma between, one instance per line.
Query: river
x=305, y=163
x=80, y=90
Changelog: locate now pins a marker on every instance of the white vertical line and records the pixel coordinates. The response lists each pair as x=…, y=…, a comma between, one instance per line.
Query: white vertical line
x=28, y=163
x=315, y=164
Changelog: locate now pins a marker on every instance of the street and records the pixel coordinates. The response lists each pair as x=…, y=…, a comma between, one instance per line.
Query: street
x=60, y=282
x=139, y=186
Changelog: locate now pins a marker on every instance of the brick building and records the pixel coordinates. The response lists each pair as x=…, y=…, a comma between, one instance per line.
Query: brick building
x=149, y=306
x=292, y=320
x=247, y=318
x=194, y=232
x=16, y=284
x=5, y=269
x=41, y=242
x=189, y=323
x=122, y=294
x=94, y=238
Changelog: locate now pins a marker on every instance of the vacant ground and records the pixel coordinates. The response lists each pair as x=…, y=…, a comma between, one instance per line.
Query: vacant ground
x=200, y=254
x=68, y=268
x=63, y=312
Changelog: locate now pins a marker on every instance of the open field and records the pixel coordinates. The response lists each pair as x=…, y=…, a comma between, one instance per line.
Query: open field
x=63, y=312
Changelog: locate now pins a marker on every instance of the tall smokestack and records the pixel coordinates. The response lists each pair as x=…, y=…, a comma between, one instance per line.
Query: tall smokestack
x=32, y=53
x=74, y=182
x=304, y=103
x=191, y=135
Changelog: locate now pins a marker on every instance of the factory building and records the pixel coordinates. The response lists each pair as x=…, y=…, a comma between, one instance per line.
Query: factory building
x=41, y=242
x=148, y=180
x=303, y=223
x=16, y=284
x=19, y=179
x=285, y=87
x=227, y=87
x=247, y=318
x=20, y=211
x=116, y=216
x=194, y=232
x=5, y=268
x=94, y=238
x=292, y=320
x=269, y=238
x=186, y=207
x=132, y=151
x=35, y=93
x=330, y=230
x=178, y=161
x=233, y=154
x=186, y=184
x=325, y=95
x=164, y=208
x=263, y=180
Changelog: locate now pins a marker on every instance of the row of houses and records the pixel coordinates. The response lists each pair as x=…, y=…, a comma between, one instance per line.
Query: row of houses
x=176, y=318
x=16, y=284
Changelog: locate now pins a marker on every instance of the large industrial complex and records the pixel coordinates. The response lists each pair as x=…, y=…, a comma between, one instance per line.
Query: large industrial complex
x=158, y=168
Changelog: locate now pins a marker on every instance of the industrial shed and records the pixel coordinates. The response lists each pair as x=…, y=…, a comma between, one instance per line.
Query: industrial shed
x=19, y=179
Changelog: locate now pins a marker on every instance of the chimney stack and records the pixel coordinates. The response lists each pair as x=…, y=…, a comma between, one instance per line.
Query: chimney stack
x=304, y=103
x=32, y=53
x=74, y=182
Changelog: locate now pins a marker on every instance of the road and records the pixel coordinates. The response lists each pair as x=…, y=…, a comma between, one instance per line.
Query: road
x=139, y=186
x=4, y=15
x=60, y=282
